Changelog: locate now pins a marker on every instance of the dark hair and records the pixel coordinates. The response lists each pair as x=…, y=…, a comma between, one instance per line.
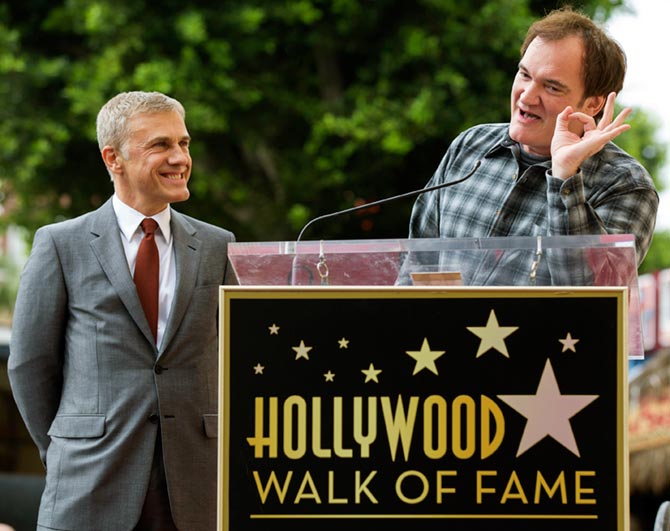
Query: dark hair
x=604, y=61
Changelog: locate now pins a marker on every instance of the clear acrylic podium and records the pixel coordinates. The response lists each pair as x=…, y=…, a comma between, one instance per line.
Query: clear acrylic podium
x=458, y=383
x=557, y=261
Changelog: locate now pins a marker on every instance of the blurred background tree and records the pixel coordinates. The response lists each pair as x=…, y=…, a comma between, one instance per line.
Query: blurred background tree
x=297, y=107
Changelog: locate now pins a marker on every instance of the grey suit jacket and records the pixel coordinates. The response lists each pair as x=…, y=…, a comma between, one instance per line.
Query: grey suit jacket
x=92, y=388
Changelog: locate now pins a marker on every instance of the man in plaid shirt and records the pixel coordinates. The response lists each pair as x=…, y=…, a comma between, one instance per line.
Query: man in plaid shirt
x=553, y=170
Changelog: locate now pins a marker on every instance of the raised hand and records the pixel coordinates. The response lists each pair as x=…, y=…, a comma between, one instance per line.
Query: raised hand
x=569, y=148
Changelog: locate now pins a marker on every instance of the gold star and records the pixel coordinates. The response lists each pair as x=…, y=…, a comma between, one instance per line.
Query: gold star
x=344, y=343
x=492, y=335
x=569, y=343
x=425, y=358
x=330, y=377
x=258, y=369
x=371, y=374
x=302, y=350
x=274, y=330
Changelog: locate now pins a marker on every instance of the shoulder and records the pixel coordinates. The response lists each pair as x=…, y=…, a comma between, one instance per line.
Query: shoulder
x=201, y=229
x=80, y=226
x=474, y=143
x=496, y=131
x=482, y=136
x=614, y=163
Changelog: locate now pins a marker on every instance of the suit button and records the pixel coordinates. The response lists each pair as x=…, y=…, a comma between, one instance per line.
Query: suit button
x=154, y=419
x=158, y=369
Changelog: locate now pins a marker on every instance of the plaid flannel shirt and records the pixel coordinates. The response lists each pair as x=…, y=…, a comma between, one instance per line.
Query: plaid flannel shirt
x=611, y=194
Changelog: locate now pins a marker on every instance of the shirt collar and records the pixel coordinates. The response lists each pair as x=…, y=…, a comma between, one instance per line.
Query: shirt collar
x=129, y=219
x=507, y=143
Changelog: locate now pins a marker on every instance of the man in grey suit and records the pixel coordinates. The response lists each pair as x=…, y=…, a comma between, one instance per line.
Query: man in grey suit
x=124, y=412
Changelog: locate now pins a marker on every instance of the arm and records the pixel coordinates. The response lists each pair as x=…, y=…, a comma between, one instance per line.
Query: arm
x=425, y=218
x=626, y=206
x=36, y=346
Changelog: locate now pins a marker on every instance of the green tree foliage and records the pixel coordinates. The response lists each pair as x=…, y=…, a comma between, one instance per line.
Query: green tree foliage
x=296, y=107
x=640, y=141
x=658, y=256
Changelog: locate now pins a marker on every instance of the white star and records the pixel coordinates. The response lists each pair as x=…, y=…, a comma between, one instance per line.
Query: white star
x=344, y=343
x=492, y=335
x=302, y=350
x=548, y=412
x=258, y=369
x=329, y=376
x=371, y=374
x=425, y=358
x=569, y=343
x=274, y=330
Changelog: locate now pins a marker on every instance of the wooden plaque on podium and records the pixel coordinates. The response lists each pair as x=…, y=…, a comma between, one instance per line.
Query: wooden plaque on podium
x=423, y=407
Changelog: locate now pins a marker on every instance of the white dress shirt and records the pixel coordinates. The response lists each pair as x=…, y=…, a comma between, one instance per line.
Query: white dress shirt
x=129, y=221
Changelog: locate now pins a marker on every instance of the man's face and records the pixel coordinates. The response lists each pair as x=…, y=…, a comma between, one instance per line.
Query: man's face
x=154, y=165
x=548, y=80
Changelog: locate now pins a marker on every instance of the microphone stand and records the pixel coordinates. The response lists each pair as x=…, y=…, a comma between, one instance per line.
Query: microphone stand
x=420, y=191
x=388, y=199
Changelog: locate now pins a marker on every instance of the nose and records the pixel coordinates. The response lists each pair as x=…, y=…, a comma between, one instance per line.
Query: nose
x=179, y=155
x=530, y=94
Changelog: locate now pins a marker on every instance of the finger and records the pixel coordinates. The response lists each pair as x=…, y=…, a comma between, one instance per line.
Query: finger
x=565, y=114
x=615, y=132
x=595, y=142
x=583, y=118
x=563, y=118
x=608, y=111
x=622, y=116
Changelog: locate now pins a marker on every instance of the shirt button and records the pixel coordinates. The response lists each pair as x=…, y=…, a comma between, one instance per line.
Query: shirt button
x=567, y=191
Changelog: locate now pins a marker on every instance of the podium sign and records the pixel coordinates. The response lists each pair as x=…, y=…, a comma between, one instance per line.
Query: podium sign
x=567, y=261
x=437, y=408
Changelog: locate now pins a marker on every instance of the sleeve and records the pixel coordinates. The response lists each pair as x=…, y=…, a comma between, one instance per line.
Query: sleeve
x=230, y=278
x=37, y=339
x=424, y=221
x=460, y=161
x=627, y=207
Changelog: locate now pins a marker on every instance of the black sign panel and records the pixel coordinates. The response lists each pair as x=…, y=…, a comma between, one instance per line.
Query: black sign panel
x=477, y=409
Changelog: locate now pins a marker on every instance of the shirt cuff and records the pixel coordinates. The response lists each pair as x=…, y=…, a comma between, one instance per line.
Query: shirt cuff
x=569, y=192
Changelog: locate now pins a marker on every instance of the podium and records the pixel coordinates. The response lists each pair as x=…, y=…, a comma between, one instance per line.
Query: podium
x=469, y=384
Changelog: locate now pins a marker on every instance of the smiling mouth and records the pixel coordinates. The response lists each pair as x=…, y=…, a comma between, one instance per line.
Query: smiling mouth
x=528, y=115
x=173, y=176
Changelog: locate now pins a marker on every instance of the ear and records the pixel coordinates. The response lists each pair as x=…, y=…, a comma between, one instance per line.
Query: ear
x=594, y=104
x=112, y=159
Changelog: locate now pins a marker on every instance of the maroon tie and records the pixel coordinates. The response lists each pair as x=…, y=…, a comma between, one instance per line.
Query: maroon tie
x=146, y=274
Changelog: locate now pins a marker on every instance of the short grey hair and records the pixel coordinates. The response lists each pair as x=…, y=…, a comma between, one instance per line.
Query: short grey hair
x=112, y=121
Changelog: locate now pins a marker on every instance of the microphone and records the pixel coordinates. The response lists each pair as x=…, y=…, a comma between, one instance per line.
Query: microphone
x=388, y=200
x=321, y=266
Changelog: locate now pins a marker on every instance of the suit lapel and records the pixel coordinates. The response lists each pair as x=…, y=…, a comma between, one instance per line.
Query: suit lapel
x=107, y=247
x=187, y=262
